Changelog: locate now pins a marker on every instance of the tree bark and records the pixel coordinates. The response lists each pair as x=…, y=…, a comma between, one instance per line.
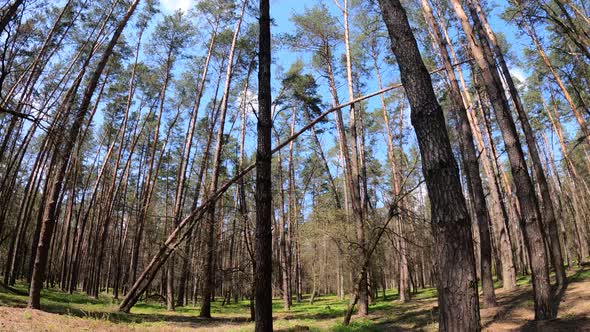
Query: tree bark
x=263, y=243
x=457, y=283
x=531, y=216
x=470, y=164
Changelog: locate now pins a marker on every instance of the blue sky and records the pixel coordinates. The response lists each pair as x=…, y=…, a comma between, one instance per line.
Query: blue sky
x=282, y=10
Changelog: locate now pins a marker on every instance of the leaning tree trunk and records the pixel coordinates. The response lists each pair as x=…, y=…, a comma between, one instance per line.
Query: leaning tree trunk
x=63, y=155
x=208, y=267
x=470, y=163
x=181, y=232
x=548, y=216
x=500, y=219
x=531, y=216
x=457, y=280
x=182, y=171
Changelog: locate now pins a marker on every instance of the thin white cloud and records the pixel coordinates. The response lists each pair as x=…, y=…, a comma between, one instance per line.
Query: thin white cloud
x=519, y=74
x=173, y=5
x=251, y=100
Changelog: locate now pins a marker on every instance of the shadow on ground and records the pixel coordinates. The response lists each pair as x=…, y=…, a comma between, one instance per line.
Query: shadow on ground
x=56, y=303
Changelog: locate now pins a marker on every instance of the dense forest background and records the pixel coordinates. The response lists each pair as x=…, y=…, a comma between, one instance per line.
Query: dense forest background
x=128, y=144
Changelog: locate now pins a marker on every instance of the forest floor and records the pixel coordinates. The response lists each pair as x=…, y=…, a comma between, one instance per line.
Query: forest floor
x=77, y=312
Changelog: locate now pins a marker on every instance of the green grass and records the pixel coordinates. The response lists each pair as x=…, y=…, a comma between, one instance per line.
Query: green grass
x=359, y=325
x=325, y=314
x=523, y=280
x=580, y=275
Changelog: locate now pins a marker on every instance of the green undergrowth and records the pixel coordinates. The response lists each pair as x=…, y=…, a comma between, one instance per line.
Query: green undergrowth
x=325, y=314
x=580, y=275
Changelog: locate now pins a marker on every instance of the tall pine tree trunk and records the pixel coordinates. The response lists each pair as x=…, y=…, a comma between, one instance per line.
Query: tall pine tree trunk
x=470, y=163
x=457, y=283
x=531, y=215
x=263, y=242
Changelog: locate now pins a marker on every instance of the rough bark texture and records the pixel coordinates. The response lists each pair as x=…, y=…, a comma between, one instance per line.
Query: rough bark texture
x=457, y=283
x=549, y=219
x=470, y=164
x=531, y=216
x=263, y=244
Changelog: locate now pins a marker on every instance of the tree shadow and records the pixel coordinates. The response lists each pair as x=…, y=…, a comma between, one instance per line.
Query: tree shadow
x=546, y=325
x=53, y=303
x=419, y=319
x=331, y=313
x=296, y=328
x=511, y=303
x=569, y=324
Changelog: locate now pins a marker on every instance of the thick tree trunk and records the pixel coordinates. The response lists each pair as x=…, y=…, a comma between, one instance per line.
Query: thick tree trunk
x=531, y=216
x=457, y=283
x=263, y=243
x=500, y=219
x=548, y=215
x=470, y=164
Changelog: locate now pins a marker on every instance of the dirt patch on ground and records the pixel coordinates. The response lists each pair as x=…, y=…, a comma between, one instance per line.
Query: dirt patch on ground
x=21, y=319
x=516, y=310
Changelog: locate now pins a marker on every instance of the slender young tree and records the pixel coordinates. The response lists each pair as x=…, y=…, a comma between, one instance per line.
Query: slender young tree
x=60, y=166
